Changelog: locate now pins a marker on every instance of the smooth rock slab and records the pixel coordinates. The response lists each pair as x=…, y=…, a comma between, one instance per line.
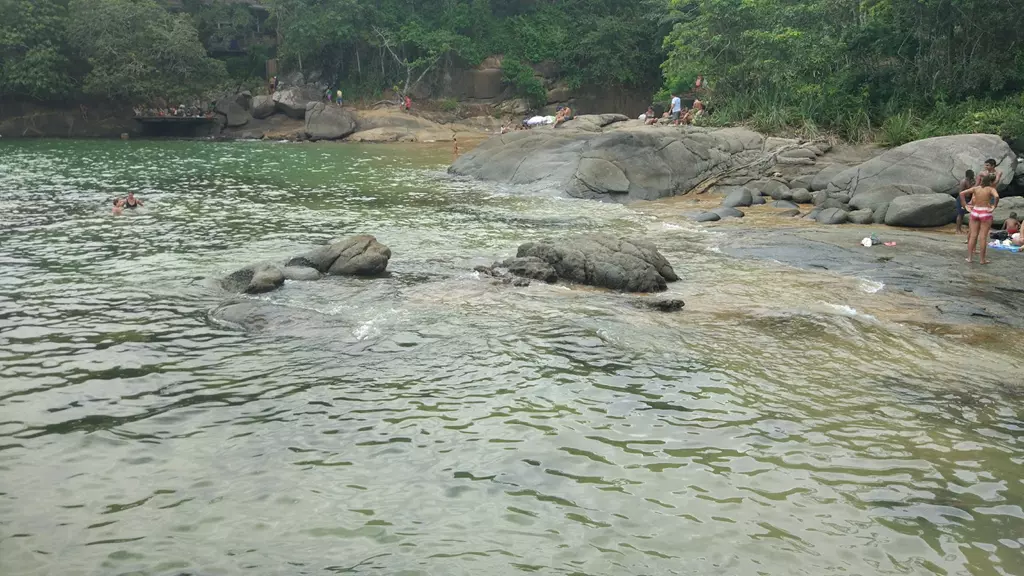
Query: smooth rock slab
x=708, y=217
x=626, y=265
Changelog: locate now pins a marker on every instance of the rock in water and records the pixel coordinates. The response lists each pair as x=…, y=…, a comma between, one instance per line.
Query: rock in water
x=531, y=267
x=728, y=212
x=605, y=261
x=660, y=304
x=801, y=196
x=292, y=101
x=601, y=157
x=739, y=197
x=708, y=217
x=255, y=279
x=935, y=163
x=329, y=122
x=354, y=256
x=921, y=211
x=236, y=115
x=262, y=106
x=785, y=204
x=300, y=273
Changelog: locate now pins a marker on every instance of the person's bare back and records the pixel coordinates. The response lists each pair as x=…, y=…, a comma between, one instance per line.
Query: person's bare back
x=984, y=200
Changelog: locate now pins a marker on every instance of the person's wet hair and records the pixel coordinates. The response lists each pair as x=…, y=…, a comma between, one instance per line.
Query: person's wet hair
x=1013, y=215
x=991, y=162
x=987, y=180
x=970, y=174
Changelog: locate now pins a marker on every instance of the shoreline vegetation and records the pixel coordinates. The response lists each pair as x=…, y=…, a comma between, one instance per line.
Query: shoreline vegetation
x=890, y=71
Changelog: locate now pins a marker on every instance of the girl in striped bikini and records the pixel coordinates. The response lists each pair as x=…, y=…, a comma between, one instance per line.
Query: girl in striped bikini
x=984, y=200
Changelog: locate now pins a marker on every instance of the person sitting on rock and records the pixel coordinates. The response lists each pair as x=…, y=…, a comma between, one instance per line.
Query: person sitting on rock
x=564, y=115
x=650, y=117
x=1012, y=225
x=990, y=168
x=698, y=108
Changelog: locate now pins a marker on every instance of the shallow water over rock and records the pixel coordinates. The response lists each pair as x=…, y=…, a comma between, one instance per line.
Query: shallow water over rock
x=786, y=421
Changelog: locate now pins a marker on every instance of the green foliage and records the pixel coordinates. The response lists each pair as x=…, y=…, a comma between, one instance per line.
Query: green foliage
x=851, y=67
x=137, y=50
x=899, y=129
x=449, y=105
x=526, y=84
x=33, y=59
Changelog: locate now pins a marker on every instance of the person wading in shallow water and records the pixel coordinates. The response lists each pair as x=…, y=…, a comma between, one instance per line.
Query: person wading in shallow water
x=984, y=200
x=131, y=202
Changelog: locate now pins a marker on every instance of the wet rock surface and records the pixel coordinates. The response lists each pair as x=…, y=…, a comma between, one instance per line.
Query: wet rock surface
x=353, y=256
x=626, y=265
x=926, y=264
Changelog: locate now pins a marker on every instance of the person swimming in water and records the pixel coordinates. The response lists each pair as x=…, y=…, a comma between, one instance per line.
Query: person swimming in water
x=118, y=203
x=984, y=200
x=131, y=202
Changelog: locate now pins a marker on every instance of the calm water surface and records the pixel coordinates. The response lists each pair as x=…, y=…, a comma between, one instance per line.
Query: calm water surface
x=432, y=423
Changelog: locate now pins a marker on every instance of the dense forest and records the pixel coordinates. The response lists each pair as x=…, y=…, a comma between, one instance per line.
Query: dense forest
x=893, y=69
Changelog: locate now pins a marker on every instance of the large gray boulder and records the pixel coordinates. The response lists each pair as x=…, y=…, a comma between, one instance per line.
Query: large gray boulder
x=1007, y=205
x=605, y=261
x=255, y=279
x=601, y=158
x=293, y=101
x=262, y=106
x=921, y=210
x=354, y=256
x=236, y=115
x=871, y=198
x=329, y=122
x=821, y=179
x=935, y=163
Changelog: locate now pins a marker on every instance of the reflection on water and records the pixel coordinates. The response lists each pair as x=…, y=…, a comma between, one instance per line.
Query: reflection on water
x=786, y=422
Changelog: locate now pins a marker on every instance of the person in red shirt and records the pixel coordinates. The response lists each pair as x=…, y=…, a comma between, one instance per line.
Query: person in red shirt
x=408, y=104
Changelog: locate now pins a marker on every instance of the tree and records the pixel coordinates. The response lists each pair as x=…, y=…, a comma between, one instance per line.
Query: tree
x=137, y=50
x=33, y=59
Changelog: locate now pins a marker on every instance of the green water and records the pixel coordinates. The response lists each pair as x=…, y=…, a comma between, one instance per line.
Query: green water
x=434, y=423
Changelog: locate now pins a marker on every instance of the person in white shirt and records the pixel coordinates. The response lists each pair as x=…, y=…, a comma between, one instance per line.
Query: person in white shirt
x=676, y=109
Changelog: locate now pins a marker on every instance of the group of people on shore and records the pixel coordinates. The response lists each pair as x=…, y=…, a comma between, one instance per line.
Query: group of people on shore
x=979, y=199
x=677, y=114
x=129, y=202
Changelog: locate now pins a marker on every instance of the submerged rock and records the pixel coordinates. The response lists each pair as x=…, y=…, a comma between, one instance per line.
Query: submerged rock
x=728, y=212
x=626, y=265
x=254, y=279
x=660, y=304
x=708, y=217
